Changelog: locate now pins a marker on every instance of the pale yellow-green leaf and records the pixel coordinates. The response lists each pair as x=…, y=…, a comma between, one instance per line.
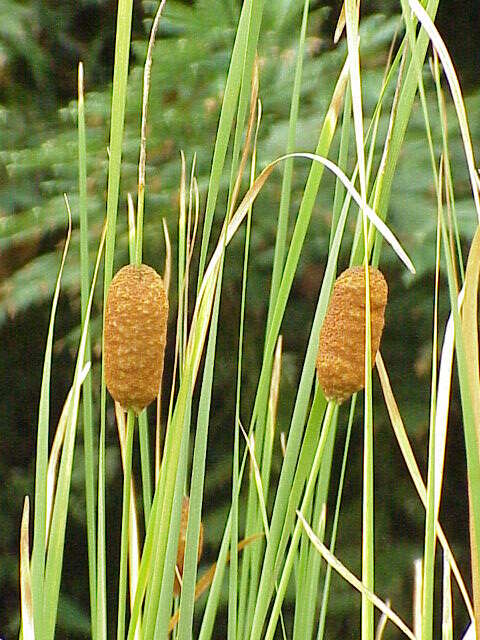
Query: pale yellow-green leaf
x=25, y=576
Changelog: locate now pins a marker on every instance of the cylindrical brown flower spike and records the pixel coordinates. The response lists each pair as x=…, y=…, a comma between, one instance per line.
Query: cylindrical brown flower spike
x=341, y=349
x=136, y=315
x=182, y=538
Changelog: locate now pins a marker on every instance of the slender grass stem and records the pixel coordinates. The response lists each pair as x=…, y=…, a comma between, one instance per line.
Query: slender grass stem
x=145, y=464
x=87, y=384
x=123, y=578
x=307, y=498
x=119, y=95
x=336, y=517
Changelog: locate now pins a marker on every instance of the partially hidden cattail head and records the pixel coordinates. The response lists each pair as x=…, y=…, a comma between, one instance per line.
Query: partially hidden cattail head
x=136, y=314
x=182, y=538
x=341, y=350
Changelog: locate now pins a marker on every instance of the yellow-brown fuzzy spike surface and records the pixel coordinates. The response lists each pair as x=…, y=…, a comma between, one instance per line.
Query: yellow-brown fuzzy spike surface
x=341, y=349
x=182, y=538
x=136, y=315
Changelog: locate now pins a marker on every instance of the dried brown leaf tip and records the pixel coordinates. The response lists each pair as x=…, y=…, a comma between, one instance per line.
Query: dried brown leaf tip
x=136, y=315
x=341, y=349
x=182, y=538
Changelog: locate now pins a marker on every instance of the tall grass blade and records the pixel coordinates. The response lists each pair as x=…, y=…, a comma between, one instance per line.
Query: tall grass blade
x=123, y=576
x=317, y=411
x=41, y=464
x=57, y=449
x=165, y=600
x=227, y=115
x=54, y=560
x=442, y=51
x=133, y=534
x=87, y=405
x=207, y=578
x=470, y=329
x=306, y=606
x=235, y=620
x=303, y=395
x=283, y=211
x=119, y=94
x=333, y=537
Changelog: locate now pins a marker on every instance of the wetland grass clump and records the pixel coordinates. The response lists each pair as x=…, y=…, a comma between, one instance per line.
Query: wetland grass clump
x=341, y=350
x=136, y=317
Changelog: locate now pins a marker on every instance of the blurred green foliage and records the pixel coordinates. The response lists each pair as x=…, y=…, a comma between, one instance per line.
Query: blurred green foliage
x=38, y=164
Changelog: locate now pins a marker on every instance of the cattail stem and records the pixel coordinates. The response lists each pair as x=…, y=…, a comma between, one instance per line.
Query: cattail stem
x=122, y=581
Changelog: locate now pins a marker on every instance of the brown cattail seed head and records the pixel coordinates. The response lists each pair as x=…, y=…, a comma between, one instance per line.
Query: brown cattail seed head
x=136, y=315
x=182, y=537
x=341, y=349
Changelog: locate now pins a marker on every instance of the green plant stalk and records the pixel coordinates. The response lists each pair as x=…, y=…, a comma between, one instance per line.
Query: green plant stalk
x=214, y=594
x=430, y=519
x=252, y=571
x=87, y=384
x=305, y=461
x=157, y=533
x=431, y=515
x=255, y=13
x=283, y=211
x=145, y=465
x=227, y=115
x=309, y=490
x=182, y=233
x=367, y=625
x=257, y=549
x=41, y=465
x=145, y=568
x=328, y=574
x=447, y=168
x=166, y=484
x=384, y=180
x=187, y=597
x=166, y=475
x=469, y=427
x=314, y=562
x=142, y=418
x=127, y=477
x=300, y=573
x=293, y=497
x=340, y=192
x=368, y=488
x=166, y=489
x=56, y=540
x=101, y=623
x=165, y=601
x=297, y=426
x=245, y=614
x=233, y=572
x=298, y=237
x=368, y=532
x=197, y=483
x=119, y=92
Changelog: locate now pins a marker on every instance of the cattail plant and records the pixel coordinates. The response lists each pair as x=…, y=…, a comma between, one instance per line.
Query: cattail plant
x=341, y=350
x=136, y=316
x=182, y=538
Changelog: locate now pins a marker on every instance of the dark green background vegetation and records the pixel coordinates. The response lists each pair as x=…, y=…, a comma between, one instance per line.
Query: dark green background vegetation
x=41, y=42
